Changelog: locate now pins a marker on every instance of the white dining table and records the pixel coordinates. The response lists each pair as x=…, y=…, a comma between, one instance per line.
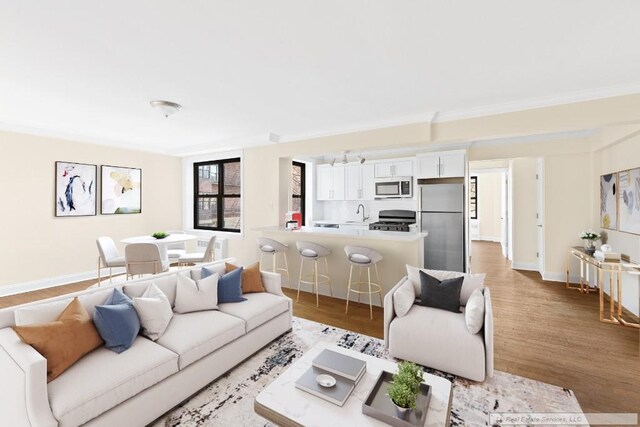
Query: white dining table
x=161, y=243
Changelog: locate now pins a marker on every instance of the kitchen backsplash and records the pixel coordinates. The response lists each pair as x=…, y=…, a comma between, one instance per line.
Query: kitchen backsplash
x=346, y=210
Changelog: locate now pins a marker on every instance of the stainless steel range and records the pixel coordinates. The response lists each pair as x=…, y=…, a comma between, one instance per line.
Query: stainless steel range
x=394, y=220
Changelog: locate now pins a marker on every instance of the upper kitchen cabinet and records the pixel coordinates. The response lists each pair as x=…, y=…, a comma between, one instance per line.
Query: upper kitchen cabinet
x=442, y=165
x=331, y=182
x=392, y=168
x=359, y=183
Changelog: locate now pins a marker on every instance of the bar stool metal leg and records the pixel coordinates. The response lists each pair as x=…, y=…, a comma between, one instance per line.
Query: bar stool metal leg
x=359, y=284
x=370, y=294
x=286, y=266
x=315, y=284
x=300, y=280
x=378, y=281
x=326, y=265
x=346, y=311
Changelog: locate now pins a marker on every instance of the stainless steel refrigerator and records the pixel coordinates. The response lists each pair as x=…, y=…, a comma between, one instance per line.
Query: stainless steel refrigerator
x=442, y=216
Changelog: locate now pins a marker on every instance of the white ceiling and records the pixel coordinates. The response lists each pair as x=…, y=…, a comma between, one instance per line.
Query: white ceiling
x=87, y=69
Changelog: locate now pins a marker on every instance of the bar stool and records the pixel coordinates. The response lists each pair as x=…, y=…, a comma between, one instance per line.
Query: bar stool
x=313, y=252
x=273, y=247
x=363, y=257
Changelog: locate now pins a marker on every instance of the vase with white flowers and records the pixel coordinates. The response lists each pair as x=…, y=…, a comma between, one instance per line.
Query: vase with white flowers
x=588, y=237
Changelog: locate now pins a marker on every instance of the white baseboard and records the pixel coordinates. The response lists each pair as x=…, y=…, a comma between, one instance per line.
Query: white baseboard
x=559, y=277
x=35, y=285
x=529, y=266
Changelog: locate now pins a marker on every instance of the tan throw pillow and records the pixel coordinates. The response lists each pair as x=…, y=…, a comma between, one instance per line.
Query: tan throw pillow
x=64, y=341
x=251, y=277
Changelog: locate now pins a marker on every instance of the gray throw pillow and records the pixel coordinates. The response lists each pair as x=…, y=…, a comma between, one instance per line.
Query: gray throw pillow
x=443, y=294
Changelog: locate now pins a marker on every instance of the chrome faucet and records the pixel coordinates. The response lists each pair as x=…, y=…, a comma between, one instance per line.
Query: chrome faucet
x=364, y=218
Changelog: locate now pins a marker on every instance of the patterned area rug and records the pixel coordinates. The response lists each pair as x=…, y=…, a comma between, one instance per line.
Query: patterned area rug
x=228, y=401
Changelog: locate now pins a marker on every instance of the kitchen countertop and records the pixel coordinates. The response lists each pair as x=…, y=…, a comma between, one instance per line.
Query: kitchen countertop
x=399, y=236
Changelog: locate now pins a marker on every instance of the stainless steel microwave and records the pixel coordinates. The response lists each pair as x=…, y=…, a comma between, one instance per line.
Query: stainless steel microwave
x=397, y=187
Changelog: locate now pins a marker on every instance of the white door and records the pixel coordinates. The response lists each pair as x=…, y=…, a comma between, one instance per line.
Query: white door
x=428, y=166
x=540, y=213
x=338, y=182
x=367, y=190
x=403, y=168
x=384, y=170
x=352, y=178
x=452, y=165
x=324, y=186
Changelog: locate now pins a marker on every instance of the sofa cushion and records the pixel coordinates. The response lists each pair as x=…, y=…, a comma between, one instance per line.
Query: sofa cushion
x=474, y=312
x=195, y=335
x=443, y=294
x=154, y=311
x=104, y=379
x=196, y=295
x=251, y=277
x=117, y=321
x=438, y=339
x=403, y=298
x=260, y=307
x=167, y=284
x=64, y=341
x=472, y=281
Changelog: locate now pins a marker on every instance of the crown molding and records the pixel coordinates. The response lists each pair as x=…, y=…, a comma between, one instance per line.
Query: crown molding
x=539, y=137
x=533, y=103
x=76, y=137
x=426, y=118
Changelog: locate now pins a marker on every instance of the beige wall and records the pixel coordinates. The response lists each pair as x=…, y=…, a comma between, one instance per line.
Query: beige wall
x=616, y=157
x=38, y=246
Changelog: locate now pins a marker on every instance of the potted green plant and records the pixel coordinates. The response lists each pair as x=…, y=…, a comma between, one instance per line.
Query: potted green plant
x=589, y=237
x=160, y=235
x=404, y=388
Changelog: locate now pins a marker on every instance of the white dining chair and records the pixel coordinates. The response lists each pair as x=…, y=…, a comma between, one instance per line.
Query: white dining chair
x=144, y=258
x=176, y=250
x=207, y=256
x=108, y=256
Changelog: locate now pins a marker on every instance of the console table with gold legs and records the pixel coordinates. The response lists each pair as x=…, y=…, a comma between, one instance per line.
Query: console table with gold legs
x=614, y=269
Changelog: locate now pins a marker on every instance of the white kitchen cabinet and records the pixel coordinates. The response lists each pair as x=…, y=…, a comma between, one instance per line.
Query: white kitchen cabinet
x=393, y=168
x=359, y=182
x=330, y=182
x=441, y=165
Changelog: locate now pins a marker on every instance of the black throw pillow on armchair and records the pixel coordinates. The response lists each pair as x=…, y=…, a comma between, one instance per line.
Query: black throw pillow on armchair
x=443, y=294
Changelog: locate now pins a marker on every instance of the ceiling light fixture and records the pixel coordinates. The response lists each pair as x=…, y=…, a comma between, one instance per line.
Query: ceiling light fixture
x=333, y=161
x=344, y=158
x=361, y=159
x=166, y=108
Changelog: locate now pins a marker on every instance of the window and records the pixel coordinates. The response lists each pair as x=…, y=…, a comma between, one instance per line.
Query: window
x=473, y=197
x=298, y=189
x=217, y=198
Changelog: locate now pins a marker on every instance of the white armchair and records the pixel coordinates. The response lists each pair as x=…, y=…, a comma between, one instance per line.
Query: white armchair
x=439, y=339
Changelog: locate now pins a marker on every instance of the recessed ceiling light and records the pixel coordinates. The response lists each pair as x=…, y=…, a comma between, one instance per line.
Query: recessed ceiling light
x=166, y=108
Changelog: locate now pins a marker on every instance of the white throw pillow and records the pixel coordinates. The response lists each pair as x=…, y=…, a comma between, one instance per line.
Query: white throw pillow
x=471, y=281
x=196, y=295
x=154, y=311
x=474, y=312
x=403, y=298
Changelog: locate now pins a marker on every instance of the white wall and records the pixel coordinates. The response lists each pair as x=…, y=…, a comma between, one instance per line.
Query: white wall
x=39, y=249
x=489, y=204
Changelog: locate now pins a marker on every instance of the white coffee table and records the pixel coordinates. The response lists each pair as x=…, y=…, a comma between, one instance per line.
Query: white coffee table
x=282, y=403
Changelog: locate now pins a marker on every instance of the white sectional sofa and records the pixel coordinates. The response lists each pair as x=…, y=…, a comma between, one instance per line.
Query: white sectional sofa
x=439, y=338
x=137, y=386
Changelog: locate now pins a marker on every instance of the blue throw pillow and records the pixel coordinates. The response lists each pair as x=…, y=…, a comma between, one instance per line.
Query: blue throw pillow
x=230, y=287
x=117, y=322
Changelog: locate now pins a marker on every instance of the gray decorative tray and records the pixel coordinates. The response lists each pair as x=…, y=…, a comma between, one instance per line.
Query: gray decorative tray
x=379, y=406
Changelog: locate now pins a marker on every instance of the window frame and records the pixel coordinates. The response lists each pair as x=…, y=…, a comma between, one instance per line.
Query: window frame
x=303, y=191
x=219, y=197
x=473, y=199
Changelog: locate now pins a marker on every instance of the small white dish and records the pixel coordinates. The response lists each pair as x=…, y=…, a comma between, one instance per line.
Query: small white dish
x=325, y=380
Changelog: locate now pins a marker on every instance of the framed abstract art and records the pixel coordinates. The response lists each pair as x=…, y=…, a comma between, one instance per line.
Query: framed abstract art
x=629, y=201
x=75, y=190
x=609, y=201
x=121, y=190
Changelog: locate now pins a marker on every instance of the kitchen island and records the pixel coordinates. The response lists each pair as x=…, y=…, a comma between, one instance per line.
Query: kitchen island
x=397, y=247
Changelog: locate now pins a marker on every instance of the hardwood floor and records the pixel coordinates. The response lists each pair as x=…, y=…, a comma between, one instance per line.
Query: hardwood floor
x=542, y=331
